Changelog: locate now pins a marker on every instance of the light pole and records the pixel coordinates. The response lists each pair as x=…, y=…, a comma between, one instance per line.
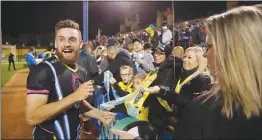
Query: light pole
x=85, y=21
x=173, y=11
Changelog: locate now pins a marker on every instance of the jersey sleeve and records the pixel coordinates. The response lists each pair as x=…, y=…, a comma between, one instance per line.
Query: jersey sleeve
x=39, y=80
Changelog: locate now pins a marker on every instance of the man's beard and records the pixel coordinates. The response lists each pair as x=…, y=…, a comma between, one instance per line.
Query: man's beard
x=68, y=61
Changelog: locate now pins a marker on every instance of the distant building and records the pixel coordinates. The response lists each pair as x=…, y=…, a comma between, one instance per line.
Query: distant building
x=131, y=23
x=231, y=4
x=165, y=16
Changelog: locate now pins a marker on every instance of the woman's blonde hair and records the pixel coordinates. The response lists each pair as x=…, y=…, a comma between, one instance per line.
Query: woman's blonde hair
x=202, y=61
x=237, y=37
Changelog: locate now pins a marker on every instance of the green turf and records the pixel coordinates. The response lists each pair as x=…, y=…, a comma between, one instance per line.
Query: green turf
x=6, y=75
x=21, y=59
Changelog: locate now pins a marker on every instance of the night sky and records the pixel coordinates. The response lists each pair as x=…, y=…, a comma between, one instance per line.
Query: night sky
x=40, y=17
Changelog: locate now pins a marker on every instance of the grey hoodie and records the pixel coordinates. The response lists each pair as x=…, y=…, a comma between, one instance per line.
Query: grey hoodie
x=147, y=64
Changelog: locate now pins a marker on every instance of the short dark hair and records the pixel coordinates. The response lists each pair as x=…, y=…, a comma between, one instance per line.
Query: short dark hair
x=148, y=46
x=68, y=24
x=31, y=49
x=112, y=42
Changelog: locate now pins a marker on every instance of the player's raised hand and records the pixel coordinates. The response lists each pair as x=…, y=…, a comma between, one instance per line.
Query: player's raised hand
x=84, y=91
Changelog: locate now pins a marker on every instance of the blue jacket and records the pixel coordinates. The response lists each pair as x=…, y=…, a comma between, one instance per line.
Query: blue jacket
x=30, y=59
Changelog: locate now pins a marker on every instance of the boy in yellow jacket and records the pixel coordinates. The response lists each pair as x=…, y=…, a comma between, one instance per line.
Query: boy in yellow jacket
x=125, y=86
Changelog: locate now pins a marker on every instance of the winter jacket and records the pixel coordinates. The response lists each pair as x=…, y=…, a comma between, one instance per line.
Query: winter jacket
x=205, y=121
x=188, y=92
x=158, y=115
x=147, y=64
x=30, y=59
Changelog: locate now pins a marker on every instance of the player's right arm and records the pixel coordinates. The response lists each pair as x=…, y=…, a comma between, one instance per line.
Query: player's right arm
x=39, y=84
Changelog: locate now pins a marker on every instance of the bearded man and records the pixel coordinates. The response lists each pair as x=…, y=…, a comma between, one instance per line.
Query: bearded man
x=58, y=89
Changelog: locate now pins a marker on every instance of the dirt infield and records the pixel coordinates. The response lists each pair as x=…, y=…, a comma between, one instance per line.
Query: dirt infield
x=13, y=109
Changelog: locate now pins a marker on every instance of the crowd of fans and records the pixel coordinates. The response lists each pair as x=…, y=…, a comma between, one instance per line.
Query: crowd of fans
x=178, y=58
x=130, y=57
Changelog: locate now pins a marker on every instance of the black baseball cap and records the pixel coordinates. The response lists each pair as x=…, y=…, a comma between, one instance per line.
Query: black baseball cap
x=163, y=48
x=137, y=40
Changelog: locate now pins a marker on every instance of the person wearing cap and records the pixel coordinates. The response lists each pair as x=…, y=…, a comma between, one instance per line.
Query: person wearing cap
x=158, y=116
x=117, y=58
x=143, y=60
x=193, y=80
x=232, y=108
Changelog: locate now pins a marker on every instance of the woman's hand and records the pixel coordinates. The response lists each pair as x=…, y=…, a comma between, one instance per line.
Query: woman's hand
x=154, y=89
x=123, y=134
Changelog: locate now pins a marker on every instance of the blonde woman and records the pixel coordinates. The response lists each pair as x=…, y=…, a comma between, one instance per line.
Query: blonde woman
x=232, y=108
x=192, y=82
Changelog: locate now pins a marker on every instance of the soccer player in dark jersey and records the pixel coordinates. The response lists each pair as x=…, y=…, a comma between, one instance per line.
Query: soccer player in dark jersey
x=58, y=89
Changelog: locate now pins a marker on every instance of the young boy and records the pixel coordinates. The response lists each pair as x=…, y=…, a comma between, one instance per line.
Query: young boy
x=124, y=87
x=136, y=82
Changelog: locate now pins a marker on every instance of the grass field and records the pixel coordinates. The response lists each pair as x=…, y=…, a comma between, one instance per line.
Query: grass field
x=21, y=59
x=6, y=75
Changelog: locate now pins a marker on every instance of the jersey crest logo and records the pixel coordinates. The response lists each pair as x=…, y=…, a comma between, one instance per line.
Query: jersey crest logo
x=76, y=83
